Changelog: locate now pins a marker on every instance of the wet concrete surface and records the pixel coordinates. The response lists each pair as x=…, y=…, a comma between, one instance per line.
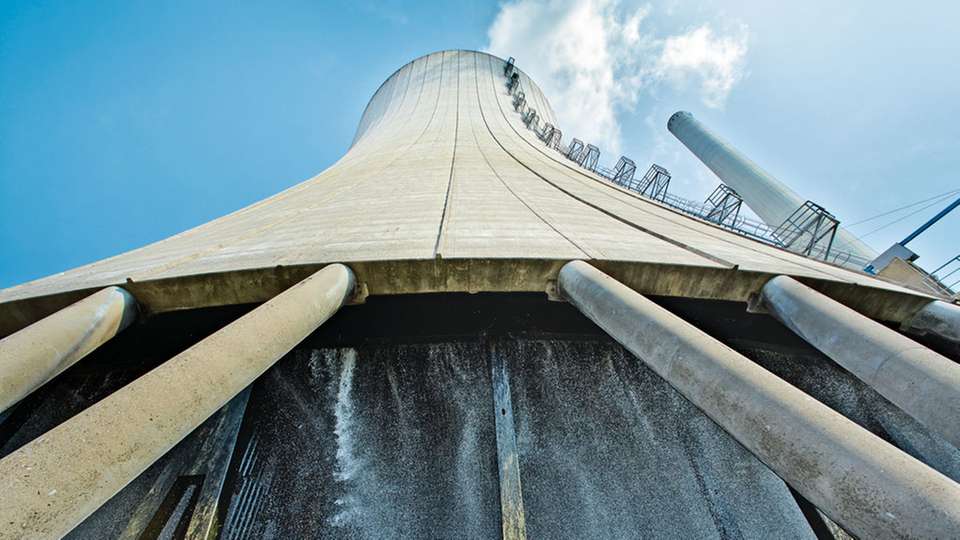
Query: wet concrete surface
x=394, y=441
x=380, y=425
x=391, y=441
x=772, y=346
x=608, y=449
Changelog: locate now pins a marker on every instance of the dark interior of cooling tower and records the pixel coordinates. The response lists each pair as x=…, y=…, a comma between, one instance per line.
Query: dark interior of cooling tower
x=381, y=424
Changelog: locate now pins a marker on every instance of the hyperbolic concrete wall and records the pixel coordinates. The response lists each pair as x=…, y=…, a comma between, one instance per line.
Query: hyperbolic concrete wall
x=394, y=434
x=444, y=189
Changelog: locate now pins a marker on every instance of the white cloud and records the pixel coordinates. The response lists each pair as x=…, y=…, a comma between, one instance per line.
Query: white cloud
x=594, y=58
x=716, y=61
x=564, y=46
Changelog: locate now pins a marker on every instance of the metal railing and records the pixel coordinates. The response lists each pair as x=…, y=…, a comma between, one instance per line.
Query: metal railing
x=942, y=276
x=578, y=152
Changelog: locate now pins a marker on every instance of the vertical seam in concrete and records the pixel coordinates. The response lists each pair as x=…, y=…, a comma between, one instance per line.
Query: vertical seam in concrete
x=453, y=160
x=391, y=106
x=602, y=187
x=512, y=515
x=293, y=190
x=363, y=115
x=370, y=128
x=502, y=181
x=613, y=215
x=329, y=196
x=436, y=102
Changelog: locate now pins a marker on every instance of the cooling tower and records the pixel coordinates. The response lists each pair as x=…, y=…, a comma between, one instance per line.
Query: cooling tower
x=458, y=331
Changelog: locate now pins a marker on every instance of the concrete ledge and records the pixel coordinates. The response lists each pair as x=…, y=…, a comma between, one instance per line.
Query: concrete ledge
x=458, y=275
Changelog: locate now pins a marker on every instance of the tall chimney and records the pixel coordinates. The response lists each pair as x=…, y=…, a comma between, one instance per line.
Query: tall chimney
x=770, y=198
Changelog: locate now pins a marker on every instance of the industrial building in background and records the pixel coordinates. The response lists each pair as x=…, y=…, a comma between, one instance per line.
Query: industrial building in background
x=469, y=327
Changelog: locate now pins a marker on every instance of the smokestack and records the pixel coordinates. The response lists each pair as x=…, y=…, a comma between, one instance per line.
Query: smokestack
x=768, y=197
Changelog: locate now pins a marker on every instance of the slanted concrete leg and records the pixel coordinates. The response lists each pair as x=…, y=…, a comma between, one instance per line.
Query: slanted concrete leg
x=919, y=381
x=871, y=488
x=54, y=482
x=39, y=352
x=938, y=318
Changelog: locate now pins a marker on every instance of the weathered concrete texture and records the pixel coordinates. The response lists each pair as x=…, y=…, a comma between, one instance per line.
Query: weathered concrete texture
x=178, y=496
x=609, y=450
x=938, y=318
x=39, y=352
x=442, y=169
x=828, y=383
x=916, y=379
x=871, y=488
x=129, y=355
x=377, y=441
x=777, y=349
x=53, y=483
x=387, y=277
x=387, y=440
x=643, y=458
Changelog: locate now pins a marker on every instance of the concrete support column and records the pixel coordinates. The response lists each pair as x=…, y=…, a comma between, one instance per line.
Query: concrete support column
x=34, y=355
x=871, y=488
x=919, y=381
x=54, y=482
x=938, y=318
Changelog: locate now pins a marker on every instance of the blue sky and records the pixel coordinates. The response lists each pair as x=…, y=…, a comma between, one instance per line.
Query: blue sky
x=122, y=123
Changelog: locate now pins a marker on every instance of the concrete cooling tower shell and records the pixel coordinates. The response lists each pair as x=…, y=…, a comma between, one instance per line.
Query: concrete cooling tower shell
x=445, y=189
x=456, y=331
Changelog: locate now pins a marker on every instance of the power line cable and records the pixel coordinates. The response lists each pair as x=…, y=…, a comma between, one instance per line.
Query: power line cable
x=915, y=212
x=937, y=197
